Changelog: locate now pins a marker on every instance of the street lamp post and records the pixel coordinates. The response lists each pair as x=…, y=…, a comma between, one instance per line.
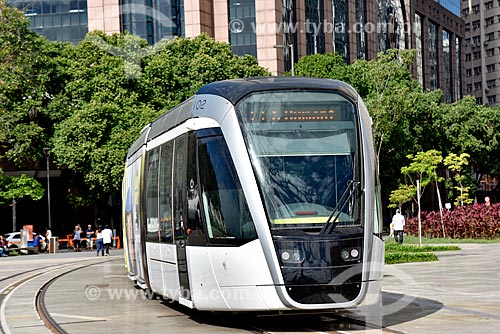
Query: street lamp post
x=292, y=55
x=46, y=151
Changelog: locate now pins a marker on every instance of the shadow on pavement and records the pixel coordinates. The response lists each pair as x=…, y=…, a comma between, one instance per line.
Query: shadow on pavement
x=397, y=308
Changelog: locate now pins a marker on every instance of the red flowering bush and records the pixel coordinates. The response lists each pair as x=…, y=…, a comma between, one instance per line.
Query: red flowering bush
x=476, y=221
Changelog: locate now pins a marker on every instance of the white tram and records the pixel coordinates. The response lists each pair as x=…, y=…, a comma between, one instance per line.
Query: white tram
x=257, y=194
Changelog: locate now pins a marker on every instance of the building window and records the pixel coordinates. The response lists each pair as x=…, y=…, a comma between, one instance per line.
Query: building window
x=490, y=68
x=341, y=37
x=465, y=12
x=419, y=49
x=57, y=20
x=468, y=57
x=479, y=100
x=489, y=37
x=489, y=21
x=469, y=88
x=476, y=55
x=146, y=19
x=475, y=9
x=477, y=70
x=458, y=69
x=491, y=83
x=468, y=72
x=360, y=33
x=391, y=20
x=478, y=86
x=315, y=36
x=448, y=86
x=476, y=41
x=488, y=5
x=475, y=25
x=492, y=99
x=490, y=52
x=433, y=57
x=242, y=37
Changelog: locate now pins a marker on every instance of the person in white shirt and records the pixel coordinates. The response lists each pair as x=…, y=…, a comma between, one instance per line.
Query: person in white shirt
x=398, y=221
x=99, y=242
x=107, y=237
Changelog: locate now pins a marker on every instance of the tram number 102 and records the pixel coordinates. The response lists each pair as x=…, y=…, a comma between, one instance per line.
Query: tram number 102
x=200, y=104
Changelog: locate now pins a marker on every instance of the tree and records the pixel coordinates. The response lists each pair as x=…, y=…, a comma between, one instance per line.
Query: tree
x=15, y=188
x=420, y=172
x=465, y=126
x=103, y=107
x=328, y=65
x=456, y=164
x=26, y=88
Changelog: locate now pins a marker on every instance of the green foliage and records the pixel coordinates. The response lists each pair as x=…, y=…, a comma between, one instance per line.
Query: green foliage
x=465, y=126
x=15, y=188
x=396, y=253
x=422, y=169
x=394, y=247
x=116, y=86
x=468, y=221
x=401, y=257
x=24, y=82
x=455, y=164
x=329, y=66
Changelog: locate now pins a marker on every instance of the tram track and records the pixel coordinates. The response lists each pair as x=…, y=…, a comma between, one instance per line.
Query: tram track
x=39, y=297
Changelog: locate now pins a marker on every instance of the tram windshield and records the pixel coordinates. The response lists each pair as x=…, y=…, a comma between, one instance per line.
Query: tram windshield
x=305, y=151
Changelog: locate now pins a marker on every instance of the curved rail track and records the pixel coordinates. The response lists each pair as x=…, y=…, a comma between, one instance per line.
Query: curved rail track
x=40, y=308
x=36, y=318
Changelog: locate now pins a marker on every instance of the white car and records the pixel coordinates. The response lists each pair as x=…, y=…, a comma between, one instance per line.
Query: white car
x=13, y=239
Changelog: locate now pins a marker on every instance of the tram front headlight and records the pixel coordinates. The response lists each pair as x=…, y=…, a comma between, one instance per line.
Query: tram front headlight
x=350, y=254
x=292, y=256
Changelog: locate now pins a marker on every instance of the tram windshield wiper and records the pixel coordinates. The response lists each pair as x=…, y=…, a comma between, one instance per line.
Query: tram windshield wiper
x=333, y=220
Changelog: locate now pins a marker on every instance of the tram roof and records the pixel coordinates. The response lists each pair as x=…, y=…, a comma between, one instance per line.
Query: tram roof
x=233, y=91
x=236, y=89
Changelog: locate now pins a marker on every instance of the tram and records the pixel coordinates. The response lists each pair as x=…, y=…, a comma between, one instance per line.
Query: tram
x=257, y=194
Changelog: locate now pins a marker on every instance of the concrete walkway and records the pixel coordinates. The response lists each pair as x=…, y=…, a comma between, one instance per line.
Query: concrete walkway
x=460, y=293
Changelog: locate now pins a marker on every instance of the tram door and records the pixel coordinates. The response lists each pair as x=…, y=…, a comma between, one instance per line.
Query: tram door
x=133, y=230
x=182, y=167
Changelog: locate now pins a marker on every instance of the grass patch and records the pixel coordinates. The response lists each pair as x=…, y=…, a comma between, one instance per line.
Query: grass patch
x=396, y=253
x=401, y=257
x=394, y=247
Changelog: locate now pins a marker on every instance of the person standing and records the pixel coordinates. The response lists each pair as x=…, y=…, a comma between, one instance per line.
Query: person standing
x=89, y=234
x=48, y=237
x=398, y=221
x=99, y=241
x=107, y=237
x=77, y=238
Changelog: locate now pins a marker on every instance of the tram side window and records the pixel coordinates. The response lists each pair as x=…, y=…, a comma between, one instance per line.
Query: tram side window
x=180, y=202
x=226, y=213
x=152, y=195
x=165, y=206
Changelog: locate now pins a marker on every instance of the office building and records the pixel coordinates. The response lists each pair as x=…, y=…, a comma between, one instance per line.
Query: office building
x=482, y=50
x=279, y=31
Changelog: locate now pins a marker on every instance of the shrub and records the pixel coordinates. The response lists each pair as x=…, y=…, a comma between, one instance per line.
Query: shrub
x=476, y=221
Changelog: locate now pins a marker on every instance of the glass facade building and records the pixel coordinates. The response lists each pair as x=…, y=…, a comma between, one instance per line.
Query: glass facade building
x=452, y=5
x=60, y=20
x=153, y=20
x=281, y=31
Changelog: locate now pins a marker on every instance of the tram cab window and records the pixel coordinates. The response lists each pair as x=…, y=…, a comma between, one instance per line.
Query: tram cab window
x=304, y=147
x=225, y=210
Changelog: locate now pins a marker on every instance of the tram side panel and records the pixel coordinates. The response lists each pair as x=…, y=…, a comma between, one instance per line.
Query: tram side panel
x=376, y=251
x=133, y=219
